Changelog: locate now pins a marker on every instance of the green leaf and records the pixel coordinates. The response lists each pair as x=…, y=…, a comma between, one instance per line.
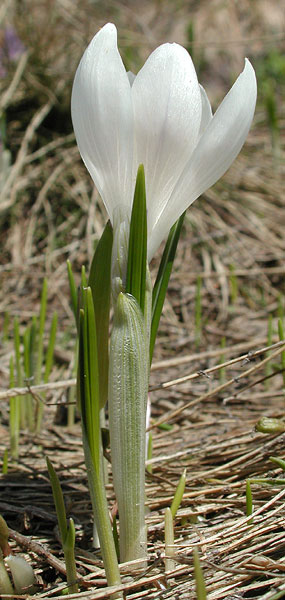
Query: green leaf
x=199, y=578
x=249, y=504
x=100, y=284
x=41, y=333
x=70, y=535
x=72, y=288
x=162, y=279
x=58, y=501
x=278, y=461
x=67, y=531
x=50, y=348
x=137, y=252
x=178, y=494
x=88, y=377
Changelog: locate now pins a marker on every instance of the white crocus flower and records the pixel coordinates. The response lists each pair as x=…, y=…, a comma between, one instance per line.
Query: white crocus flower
x=161, y=118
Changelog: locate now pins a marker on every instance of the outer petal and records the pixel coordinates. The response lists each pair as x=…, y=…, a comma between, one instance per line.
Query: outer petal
x=217, y=148
x=167, y=109
x=102, y=115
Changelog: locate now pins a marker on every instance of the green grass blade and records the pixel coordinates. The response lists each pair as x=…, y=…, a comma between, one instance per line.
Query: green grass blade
x=72, y=289
x=178, y=494
x=88, y=374
x=14, y=416
x=91, y=437
x=50, y=348
x=137, y=252
x=42, y=321
x=19, y=373
x=83, y=277
x=249, y=504
x=17, y=346
x=68, y=548
x=28, y=365
x=67, y=532
x=58, y=501
x=91, y=343
x=162, y=279
x=199, y=578
x=278, y=461
x=100, y=284
x=26, y=344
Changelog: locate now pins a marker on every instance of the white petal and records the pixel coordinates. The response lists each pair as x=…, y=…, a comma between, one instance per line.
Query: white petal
x=102, y=117
x=217, y=148
x=167, y=110
x=206, y=111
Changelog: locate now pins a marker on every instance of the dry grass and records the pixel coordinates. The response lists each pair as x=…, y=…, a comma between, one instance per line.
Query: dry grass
x=233, y=240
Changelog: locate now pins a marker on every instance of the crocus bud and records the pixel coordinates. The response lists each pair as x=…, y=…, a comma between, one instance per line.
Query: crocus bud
x=22, y=574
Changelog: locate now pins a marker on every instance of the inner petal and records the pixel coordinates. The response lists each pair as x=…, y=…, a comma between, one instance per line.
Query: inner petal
x=167, y=112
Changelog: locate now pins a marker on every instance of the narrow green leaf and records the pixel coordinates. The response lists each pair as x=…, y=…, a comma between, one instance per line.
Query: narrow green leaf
x=14, y=416
x=28, y=339
x=88, y=375
x=268, y=481
x=41, y=333
x=67, y=531
x=17, y=344
x=199, y=578
x=33, y=346
x=178, y=494
x=26, y=344
x=50, y=348
x=137, y=252
x=149, y=452
x=58, y=501
x=249, y=505
x=70, y=535
x=72, y=288
x=95, y=478
x=162, y=279
x=80, y=370
x=19, y=373
x=100, y=284
x=278, y=461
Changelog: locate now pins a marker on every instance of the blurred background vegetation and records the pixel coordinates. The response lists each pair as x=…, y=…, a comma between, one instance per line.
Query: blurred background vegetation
x=49, y=210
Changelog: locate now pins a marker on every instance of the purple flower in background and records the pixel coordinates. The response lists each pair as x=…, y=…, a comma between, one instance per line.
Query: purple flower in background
x=11, y=48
